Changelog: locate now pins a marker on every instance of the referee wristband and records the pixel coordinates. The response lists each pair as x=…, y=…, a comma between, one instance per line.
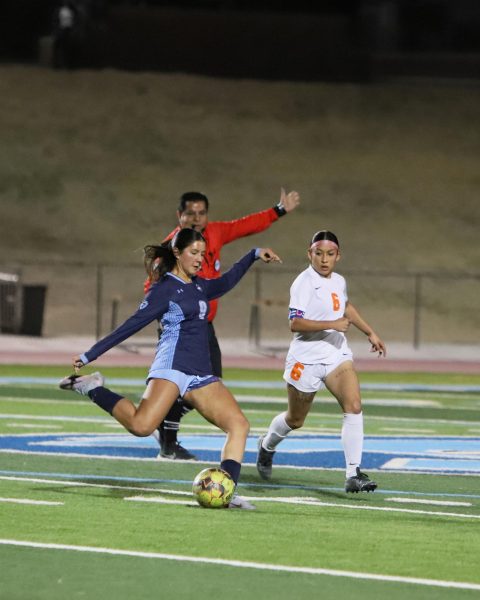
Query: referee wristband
x=280, y=209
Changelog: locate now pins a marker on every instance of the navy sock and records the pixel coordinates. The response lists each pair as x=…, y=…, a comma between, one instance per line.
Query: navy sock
x=104, y=398
x=232, y=467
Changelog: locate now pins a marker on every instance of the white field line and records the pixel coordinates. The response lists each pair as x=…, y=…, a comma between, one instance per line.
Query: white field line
x=43, y=401
x=159, y=500
x=423, y=501
x=315, y=502
x=402, y=430
x=330, y=416
x=246, y=565
x=283, y=500
x=107, y=486
x=258, y=399
x=322, y=416
x=416, y=402
x=390, y=469
x=97, y=456
x=33, y=426
x=305, y=431
x=107, y=421
x=251, y=398
x=306, y=501
x=397, y=464
x=98, y=420
x=27, y=501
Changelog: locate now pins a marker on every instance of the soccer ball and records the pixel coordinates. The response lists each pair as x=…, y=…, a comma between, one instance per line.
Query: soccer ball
x=213, y=488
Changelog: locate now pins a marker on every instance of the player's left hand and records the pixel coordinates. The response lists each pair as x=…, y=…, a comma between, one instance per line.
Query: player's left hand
x=268, y=255
x=289, y=201
x=377, y=345
x=77, y=363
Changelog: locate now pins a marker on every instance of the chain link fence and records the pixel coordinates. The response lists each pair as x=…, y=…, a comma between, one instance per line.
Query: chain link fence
x=413, y=308
x=91, y=299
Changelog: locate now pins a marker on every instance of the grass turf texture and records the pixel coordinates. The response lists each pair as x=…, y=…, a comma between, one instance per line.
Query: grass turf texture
x=329, y=536
x=448, y=413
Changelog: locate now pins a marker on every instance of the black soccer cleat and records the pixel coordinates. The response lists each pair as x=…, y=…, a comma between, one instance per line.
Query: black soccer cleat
x=68, y=382
x=264, y=460
x=175, y=451
x=359, y=483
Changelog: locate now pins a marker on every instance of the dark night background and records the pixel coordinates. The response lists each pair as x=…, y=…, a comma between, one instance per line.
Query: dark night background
x=353, y=40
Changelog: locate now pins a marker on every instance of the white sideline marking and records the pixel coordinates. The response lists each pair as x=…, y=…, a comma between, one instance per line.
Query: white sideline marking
x=284, y=500
x=247, y=565
x=95, y=485
x=96, y=456
x=399, y=464
x=41, y=400
x=312, y=416
x=27, y=501
x=309, y=501
x=306, y=501
x=57, y=418
x=32, y=426
x=315, y=502
x=396, y=463
x=159, y=500
x=423, y=501
x=387, y=466
x=403, y=430
x=427, y=421
x=417, y=402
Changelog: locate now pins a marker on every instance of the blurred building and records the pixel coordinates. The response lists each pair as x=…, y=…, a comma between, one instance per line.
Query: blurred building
x=352, y=40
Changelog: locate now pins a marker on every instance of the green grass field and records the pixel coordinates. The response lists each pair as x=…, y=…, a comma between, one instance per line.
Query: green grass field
x=86, y=526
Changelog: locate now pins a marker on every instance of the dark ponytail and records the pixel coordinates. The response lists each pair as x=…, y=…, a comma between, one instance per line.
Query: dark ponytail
x=156, y=269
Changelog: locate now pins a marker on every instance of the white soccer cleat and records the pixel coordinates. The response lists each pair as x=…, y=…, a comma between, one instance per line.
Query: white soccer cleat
x=239, y=502
x=82, y=384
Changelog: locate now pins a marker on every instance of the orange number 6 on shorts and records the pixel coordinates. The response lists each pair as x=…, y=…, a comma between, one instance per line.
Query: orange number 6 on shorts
x=296, y=371
x=336, y=302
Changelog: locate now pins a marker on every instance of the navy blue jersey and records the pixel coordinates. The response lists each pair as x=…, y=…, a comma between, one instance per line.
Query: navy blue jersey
x=182, y=309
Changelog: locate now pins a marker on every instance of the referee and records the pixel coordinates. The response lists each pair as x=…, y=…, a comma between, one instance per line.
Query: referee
x=192, y=212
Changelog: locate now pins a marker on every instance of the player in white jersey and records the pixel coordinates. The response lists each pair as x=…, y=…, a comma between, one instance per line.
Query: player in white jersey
x=320, y=313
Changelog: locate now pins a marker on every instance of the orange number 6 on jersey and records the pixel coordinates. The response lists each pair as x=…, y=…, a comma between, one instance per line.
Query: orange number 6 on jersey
x=296, y=371
x=336, y=302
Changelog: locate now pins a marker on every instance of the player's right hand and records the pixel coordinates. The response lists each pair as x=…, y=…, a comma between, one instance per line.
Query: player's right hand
x=341, y=324
x=268, y=255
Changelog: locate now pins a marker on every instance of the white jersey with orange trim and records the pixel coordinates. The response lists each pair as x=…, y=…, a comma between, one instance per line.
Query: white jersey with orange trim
x=318, y=298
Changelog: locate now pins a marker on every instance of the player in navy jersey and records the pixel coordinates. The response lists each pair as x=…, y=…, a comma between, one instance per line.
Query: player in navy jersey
x=193, y=212
x=181, y=367
x=320, y=314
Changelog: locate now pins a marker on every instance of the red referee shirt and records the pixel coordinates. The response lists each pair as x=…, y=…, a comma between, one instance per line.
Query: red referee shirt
x=219, y=233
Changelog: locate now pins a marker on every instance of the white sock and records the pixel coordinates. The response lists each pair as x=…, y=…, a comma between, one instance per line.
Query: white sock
x=277, y=431
x=352, y=441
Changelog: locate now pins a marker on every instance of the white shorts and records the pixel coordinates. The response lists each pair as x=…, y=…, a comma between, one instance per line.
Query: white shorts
x=185, y=383
x=311, y=378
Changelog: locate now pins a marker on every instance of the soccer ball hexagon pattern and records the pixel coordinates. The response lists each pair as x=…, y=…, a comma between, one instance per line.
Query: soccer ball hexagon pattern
x=213, y=488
